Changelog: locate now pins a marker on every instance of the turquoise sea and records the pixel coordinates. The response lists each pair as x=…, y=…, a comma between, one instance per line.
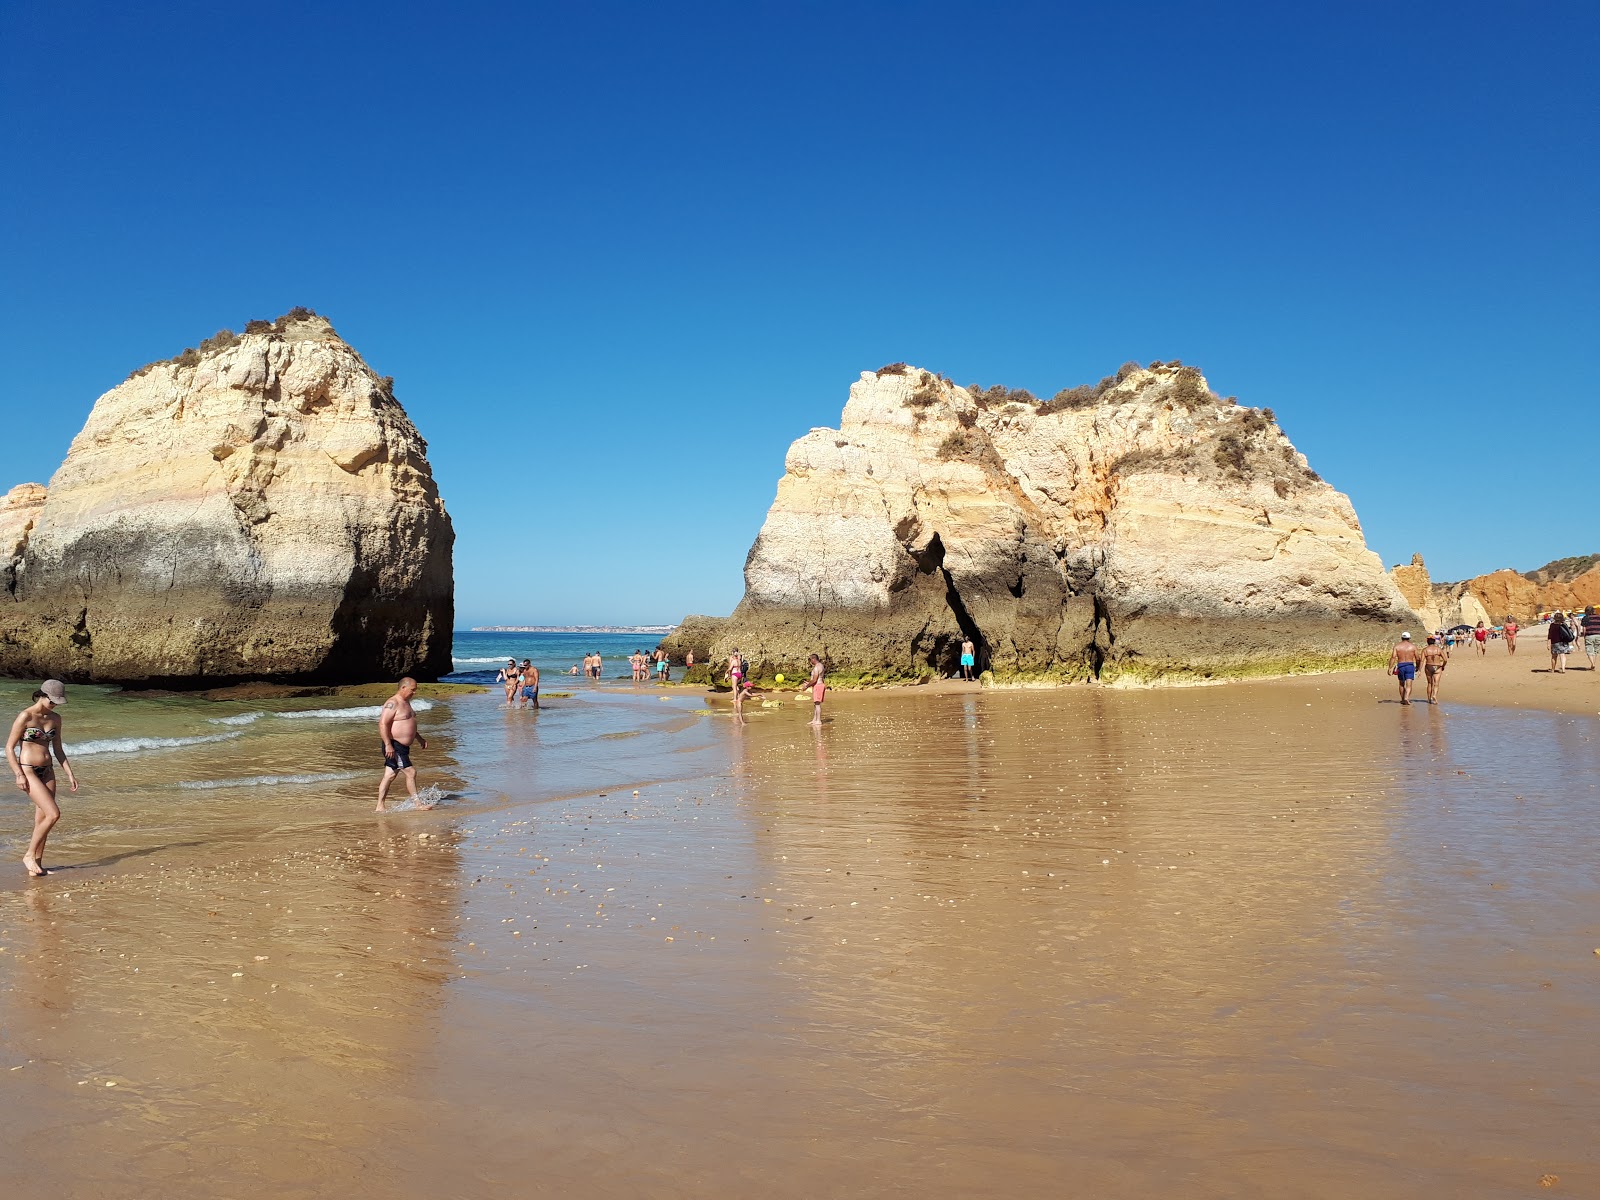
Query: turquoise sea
x=478, y=655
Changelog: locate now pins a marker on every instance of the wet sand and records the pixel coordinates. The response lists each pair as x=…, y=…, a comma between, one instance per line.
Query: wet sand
x=1277, y=939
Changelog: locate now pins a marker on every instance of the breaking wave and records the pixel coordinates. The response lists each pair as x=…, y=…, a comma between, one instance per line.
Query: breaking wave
x=132, y=745
x=368, y=712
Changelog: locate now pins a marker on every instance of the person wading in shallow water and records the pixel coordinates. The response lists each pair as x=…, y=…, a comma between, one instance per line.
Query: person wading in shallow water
x=397, y=726
x=34, y=735
x=1434, y=660
x=817, y=689
x=1403, y=665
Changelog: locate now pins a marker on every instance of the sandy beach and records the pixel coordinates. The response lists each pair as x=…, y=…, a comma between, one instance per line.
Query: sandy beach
x=1264, y=939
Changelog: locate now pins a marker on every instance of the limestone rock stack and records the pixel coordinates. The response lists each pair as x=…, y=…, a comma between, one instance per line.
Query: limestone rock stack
x=260, y=509
x=1138, y=530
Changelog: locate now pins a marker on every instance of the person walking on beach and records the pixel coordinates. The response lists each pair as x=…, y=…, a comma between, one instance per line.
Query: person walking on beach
x=1511, y=635
x=1561, y=637
x=397, y=726
x=1434, y=660
x=1403, y=665
x=1590, y=629
x=35, y=735
x=736, y=679
x=969, y=658
x=529, y=675
x=817, y=688
x=1481, y=636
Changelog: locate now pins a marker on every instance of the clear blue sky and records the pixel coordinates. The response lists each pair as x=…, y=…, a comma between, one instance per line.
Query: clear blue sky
x=642, y=247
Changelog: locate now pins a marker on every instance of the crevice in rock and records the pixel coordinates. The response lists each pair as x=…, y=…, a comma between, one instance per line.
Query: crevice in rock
x=81, y=637
x=951, y=656
x=1097, y=652
x=1016, y=588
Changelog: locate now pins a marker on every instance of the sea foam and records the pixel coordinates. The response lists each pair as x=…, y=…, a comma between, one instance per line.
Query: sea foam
x=268, y=780
x=131, y=745
x=369, y=712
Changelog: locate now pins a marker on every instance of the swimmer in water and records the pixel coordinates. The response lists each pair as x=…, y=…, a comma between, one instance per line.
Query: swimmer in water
x=35, y=735
x=397, y=726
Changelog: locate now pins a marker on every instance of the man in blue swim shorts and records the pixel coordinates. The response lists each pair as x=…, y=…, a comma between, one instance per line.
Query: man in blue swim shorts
x=969, y=658
x=530, y=684
x=1403, y=665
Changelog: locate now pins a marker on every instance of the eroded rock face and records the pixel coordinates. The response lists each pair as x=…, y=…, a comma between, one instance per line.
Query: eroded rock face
x=263, y=510
x=1147, y=531
x=1567, y=585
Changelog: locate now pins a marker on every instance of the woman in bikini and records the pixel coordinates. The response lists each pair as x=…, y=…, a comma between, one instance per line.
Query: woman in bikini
x=35, y=734
x=508, y=677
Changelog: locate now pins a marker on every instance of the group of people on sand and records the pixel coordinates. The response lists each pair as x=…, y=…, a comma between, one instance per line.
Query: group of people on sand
x=1565, y=633
x=1569, y=631
x=521, y=683
x=741, y=679
x=655, y=663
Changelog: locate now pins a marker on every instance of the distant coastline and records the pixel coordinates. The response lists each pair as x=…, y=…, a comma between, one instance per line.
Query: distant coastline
x=572, y=628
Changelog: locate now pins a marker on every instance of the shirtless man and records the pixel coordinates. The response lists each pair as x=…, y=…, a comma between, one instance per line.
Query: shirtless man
x=397, y=726
x=1403, y=665
x=1434, y=660
x=530, y=684
x=1511, y=635
x=968, y=658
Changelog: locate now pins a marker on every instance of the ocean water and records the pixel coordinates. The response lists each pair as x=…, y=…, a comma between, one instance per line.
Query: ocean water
x=155, y=767
x=479, y=655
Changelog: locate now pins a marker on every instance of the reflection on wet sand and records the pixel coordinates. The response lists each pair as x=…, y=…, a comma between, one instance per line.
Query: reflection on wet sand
x=220, y=1021
x=1255, y=941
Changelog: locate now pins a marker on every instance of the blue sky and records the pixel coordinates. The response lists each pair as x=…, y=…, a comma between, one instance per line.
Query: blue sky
x=638, y=249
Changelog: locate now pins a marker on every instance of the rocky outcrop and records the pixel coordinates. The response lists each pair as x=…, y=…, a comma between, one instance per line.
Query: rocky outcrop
x=260, y=509
x=1569, y=583
x=1138, y=530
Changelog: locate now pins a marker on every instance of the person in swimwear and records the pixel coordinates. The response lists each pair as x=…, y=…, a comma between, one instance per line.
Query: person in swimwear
x=1481, y=636
x=1589, y=630
x=35, y=735
x=1434, y=660
x=397, y=726
x=529, y=675
x=969, y=658
x=817, y=689
x=508, y=676
x=1511, y=635
x=736, y=679
x=1403, y=665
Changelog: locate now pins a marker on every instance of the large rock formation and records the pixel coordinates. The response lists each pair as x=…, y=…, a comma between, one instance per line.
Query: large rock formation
x=1141, y=529
x=1568, y=583
x=260, y=509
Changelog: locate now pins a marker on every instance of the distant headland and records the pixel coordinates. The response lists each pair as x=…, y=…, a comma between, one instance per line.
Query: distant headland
x=661, y=629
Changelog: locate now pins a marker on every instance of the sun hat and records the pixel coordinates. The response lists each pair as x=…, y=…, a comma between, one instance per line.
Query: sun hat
x=55, y=691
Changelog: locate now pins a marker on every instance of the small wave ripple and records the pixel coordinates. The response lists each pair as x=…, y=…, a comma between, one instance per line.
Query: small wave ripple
x=248, y=781
x=367, y=712
x=132, y=745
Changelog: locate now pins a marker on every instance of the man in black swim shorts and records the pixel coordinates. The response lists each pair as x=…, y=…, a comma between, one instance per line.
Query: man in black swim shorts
x=397, y=726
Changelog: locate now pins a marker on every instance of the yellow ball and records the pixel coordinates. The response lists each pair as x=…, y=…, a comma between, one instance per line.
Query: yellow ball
x=778, y=677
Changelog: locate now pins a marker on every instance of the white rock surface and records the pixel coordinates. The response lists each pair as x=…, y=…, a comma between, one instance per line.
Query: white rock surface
x=1150, y=531
x=267, y=512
